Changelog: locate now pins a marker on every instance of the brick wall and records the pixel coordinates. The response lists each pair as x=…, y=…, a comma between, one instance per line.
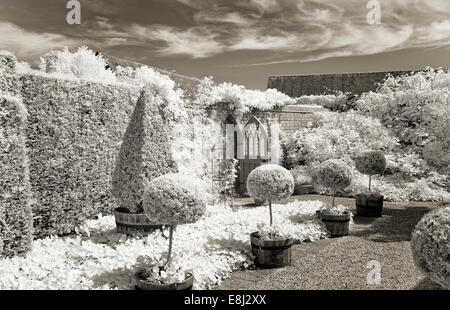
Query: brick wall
x=305, y=85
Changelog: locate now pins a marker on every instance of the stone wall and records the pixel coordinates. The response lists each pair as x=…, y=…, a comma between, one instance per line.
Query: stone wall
x=325, y=84
x=290, y=118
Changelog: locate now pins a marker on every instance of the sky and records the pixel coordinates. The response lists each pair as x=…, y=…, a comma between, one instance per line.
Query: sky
x=240, y=41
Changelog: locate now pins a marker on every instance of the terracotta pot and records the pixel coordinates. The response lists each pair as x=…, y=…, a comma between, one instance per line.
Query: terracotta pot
x=150, y=286
x=271, y=253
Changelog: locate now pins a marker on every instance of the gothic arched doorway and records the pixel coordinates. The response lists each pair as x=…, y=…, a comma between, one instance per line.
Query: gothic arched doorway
x=255, y=150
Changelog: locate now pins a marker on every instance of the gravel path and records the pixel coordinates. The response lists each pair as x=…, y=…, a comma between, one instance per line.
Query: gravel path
x=341, y=263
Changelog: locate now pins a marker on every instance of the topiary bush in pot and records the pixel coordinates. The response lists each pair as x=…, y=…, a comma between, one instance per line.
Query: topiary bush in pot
x=302, y=181
x=171, y=199
x=431, y=247
x=270, y=183
x=335, y=175
x=145, y=154
x=370, y=203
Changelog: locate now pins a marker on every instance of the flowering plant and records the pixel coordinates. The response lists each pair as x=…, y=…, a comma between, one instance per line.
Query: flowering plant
x=431, y=247
x=269, y=183
x=334, y=174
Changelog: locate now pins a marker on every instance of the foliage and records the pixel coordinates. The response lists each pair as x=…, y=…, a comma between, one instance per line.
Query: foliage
x=340, y=102
x=371, y=163
x=145, y=151
x=9, y=83
x=337, y=210
x=334, y=174
x=415, y=107
x=227, y=176
x=173, y=199
x=100, y=258
x=345, y=136
x=73, y=137
x=430, y=246
x=16, y=218
x=82, y=64
x=270, y=183
x=301, y=177
x=238, y=98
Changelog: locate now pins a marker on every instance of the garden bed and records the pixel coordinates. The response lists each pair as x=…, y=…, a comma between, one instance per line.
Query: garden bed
x=98, y=257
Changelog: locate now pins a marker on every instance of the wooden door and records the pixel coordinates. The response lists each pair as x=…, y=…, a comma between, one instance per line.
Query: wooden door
x=255, y=143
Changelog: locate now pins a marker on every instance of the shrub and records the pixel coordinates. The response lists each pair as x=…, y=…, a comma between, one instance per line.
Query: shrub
x=83, y=64
x=415, y=108
x=270, y=183
x=145, y=151
x=9, y=82
x=73, y=136
x=238, y=98
x=16, y=218
x=173, y=199
x=339, y=102
x=371, y=163
x=334, y=174
x=431, y=247
x=300, y=176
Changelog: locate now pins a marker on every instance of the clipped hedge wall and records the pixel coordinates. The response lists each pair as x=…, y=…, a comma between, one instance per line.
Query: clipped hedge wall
x=16, y=218
x=8, y=78
x=74, y=134
x=145, y=153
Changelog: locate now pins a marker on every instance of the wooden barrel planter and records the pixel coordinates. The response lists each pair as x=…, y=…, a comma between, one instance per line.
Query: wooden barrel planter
x=131, y=223
x=146, y=285
x=258, y=202
x=271, y=253
x=369, y=205
x=303, y=189
x=337, y=225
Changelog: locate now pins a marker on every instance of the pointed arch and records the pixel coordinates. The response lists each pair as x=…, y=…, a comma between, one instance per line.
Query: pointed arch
x=255, y=139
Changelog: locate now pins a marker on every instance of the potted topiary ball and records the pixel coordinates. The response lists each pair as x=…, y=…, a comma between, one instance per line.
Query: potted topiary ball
x=369, y=203
x=302, y=181
x=431, y=247
x=172, y=199
x=335, y=175
x=270, y=183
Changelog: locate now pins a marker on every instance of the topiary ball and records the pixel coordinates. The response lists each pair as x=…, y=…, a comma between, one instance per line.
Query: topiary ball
x=174, y=199
x=371, y=163
x=270, y=182
x=334, y=174
x=430, y=245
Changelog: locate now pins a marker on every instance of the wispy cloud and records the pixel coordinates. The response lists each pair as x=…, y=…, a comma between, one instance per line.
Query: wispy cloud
x=28, y=43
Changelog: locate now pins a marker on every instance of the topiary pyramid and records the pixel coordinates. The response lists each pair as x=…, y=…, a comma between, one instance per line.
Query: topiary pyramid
x=145, y=151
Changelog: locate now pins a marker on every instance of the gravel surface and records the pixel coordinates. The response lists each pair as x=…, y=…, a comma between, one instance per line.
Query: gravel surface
x=341, y=263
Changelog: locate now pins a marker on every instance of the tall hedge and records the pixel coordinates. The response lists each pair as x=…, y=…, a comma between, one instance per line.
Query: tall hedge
x=16, y=218
x=145, y=153
x=74, y=135
x=9, y=81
